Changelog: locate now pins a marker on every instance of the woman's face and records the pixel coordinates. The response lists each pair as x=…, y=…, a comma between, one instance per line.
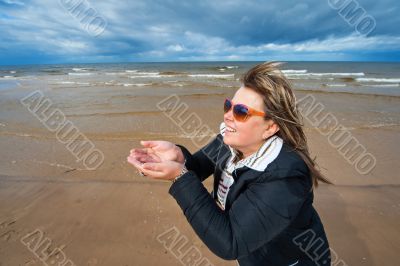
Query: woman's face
x=247, y=136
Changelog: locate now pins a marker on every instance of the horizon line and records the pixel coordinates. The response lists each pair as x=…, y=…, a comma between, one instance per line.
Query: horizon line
x=205, y=61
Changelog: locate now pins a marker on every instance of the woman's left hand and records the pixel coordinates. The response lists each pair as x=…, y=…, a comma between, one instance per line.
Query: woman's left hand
x=166, y=170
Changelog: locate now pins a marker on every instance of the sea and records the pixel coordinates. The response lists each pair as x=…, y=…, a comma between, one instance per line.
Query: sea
x=378, y=78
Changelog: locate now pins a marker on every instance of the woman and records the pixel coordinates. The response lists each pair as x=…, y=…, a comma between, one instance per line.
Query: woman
x=260, y=211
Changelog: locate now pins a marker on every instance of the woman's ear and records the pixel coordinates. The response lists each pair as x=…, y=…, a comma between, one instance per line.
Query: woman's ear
x=271, y=129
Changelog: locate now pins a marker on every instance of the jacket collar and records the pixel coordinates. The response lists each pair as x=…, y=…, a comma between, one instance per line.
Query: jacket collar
x=259, y=160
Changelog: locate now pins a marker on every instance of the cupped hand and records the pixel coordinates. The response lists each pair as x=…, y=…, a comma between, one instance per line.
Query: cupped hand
x=162, y=150
x=145, y=155
x=166, y=170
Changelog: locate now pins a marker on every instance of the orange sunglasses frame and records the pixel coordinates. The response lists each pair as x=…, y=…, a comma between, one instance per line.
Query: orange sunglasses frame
x=251, y=111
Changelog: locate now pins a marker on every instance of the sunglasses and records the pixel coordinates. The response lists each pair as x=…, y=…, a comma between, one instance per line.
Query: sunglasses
x=241, y=112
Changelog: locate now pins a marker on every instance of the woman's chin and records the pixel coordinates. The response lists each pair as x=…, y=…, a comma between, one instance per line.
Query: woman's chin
x=226, y=139
x=229, y=139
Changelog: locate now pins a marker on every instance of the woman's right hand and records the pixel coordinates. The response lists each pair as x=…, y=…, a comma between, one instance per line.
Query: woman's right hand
x=158, y=151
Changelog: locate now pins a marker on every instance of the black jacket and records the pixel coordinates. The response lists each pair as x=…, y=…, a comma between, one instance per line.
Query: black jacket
x=268, y=219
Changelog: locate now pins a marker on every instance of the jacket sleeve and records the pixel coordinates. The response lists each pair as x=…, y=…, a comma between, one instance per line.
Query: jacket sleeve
x=204, y=160
x=258, y=215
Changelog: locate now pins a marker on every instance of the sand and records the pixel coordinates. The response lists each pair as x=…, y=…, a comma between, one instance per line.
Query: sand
x=113, y=216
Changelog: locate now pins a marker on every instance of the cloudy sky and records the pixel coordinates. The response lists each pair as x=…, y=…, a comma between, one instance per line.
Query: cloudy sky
x=72, y=31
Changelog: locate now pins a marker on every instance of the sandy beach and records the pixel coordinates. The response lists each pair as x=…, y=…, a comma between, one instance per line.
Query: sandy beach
x=112, y=216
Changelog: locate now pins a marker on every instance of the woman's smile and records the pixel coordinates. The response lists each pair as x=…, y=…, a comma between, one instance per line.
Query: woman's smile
x=230, y=129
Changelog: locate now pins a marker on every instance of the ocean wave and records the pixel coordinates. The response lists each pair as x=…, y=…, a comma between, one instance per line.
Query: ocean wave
x=224, y=68
x=115, y=73
x=7, y=77
x=383, y=85
x=165, y=74
x=52, y=71
x=134, y=84
x=296, y=77
x=80, y=74
x=131, y=71
x=293, y=71
x=224, y=76
x=311, y=74
x=77, y=69
x=388, y=80
x=13, y=72
x=172, y=73
x=146, y=76
x=65, y=82
x=355, y=93
x=335, y=85
x=73, y=83
x=141, y=74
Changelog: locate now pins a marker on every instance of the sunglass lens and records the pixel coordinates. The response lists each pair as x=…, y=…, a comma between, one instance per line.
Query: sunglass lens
x=240, y=112
x=227, y=105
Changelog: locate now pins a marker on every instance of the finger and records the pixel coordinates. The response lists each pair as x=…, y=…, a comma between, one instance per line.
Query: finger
x=149, y=143
x=144, y=172
x=150, y=158
x=138, y=157
x=139, y=151
x=158, y=167
x=135, y=163
x=153, y=174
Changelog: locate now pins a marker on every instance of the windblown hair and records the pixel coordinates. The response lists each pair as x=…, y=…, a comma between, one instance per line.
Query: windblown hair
x=280, y=102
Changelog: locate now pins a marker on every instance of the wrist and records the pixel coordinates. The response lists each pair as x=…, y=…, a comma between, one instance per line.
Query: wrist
x=182, y=172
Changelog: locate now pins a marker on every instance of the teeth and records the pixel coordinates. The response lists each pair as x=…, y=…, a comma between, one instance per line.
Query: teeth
x=230, y=129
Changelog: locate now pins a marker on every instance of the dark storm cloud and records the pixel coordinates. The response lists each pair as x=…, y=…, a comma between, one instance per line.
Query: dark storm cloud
x=43, y=31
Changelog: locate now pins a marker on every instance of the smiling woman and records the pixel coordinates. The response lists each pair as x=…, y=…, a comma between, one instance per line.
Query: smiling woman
x=260, y=211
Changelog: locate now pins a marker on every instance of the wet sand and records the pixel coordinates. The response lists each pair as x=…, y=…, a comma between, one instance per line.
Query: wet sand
x=112, y=216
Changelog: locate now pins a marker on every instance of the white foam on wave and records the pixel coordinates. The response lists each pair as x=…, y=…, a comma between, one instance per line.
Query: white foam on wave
x=80, y=69
x=114, y=73
x=8, y=77
x=293, y=71
x=146, y=76
x=148, y=73
x=72, y=83
x=311, y=74
x=131, y=71
x=212, y=75
x=65, y=82
x=80, y=74
x=143, y=84
x=383, y=85
x=134, y=84
x=388, y=80
x=336, y=85
x=308, y=77
x=13, y=72
x=232, y=67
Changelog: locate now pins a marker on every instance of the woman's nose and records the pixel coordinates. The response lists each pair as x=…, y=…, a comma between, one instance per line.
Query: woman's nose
x=228, y=115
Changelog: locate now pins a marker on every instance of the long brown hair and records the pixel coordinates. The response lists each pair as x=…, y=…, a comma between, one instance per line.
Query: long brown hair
x=267, y=80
